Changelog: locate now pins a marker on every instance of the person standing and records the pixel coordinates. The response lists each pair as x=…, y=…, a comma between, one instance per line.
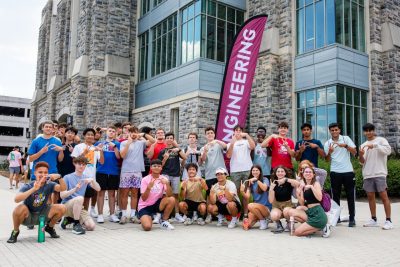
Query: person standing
x=192, y=155
x=309, y=148
x=15, y=166
x=260, y=156
x=373, y=155
x=338, y=149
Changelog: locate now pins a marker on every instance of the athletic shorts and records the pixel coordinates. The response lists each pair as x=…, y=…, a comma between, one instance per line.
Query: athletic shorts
x=222, y=209
x=316, y=217
x=375, y=184
x=281, y=205
x=192, y=205
x=238, y=177
x=107, y=181
x=15, y=170
x=83, y=217
x=90, y=192
x=210, y=183
x=33, y=217
x=130, y=180
x=150, y=210
x=175, y=183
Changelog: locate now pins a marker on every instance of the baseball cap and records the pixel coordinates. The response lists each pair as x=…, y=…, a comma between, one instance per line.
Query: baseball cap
x=221, y=170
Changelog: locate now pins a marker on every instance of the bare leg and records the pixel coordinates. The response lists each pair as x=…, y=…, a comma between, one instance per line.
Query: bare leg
x=55, y=213
x=176, y=203
x=134, y=198
x=100, y=201
x=166, y=206
x=123, y=198
x=86, y=203
x=232, y=208
x=111, y=201
x=20, y=213
x=202, y=209
x=183, y=207
x=147, y=222
x=305, y=229
x=372, y=203
x=386, y=203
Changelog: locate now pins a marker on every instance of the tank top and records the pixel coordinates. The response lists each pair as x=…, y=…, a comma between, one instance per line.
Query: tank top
x=309, y=197
x=194, y=191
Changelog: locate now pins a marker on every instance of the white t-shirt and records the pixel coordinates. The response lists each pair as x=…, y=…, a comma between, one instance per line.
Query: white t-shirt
x=375, y=164
x=240, y=159
x=92, y=157
x=221, y=197
x=340, y=157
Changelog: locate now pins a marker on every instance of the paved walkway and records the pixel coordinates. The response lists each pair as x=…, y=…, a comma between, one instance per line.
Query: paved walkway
x=127, y=245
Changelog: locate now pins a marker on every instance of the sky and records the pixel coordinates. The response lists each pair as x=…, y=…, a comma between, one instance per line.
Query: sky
x=19, y=32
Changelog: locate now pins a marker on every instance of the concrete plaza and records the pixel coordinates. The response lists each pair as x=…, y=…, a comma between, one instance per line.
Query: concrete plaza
x=127, y=245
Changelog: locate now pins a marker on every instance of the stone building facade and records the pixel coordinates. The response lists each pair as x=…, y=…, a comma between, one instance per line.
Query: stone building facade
x=91, y=54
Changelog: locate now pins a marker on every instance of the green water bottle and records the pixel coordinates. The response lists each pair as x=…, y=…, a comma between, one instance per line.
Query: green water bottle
x=42, y=220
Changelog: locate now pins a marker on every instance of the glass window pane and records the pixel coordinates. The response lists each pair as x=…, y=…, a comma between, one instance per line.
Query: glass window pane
x=197, y=36
x=163, y=53
x=341, y=116
x=354, y=26
x=349, y=122
x=309, y=1
x=239, y=17
x=211, y=24
x=361, y=29
x=230, y=15
x=349, y=96
x=300, y=31
x=197, y=8
x=203, y=35
x=211, y=9
x=299, y=3
x=319, y=24
x=190, y=40
x=356, y=97
x=300, y=121
x=330, y=21
x=221, y=40
x=309, y=27
x=168, y=51
x=310, y=115
x=357, y=126
x=311, y=98
x=184, y=43
x=363, y=99
x=339, y=22
x=321, y=97
x=203, y=6
x=230, y=34
x=221, y=11
x=191, y=12
x=340, y=94
x=331, y=109
x=321, y=132
x=173, y=46
x=331, y=94
x=184, y=15
x=363, y=116
x=347, y=24
x=301, y=100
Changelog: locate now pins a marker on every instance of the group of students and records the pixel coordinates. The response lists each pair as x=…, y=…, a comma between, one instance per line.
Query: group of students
x=69, y=178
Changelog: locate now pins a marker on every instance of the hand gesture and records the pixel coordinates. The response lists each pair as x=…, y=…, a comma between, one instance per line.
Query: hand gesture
x=308, y=186
x=341, y=145
x=88, y=180
x=331, y=148
x=151, y=184
x=313, y=146
x=281, y=181
x=45, y=149
x=99, y=147
x=272, y=185
x=242, y=186
x=36, y=185
x=253, y=180
x=184, y=185
x=164, y=180
x=302, y=147
x=370, y=146
x=56, y=148
x=78, y=186
x=361, y=151
x=166, y=154
x=175, y=150
x=244, y=135
x=233, y=140
x=222, y=188
x=70, y=148
x=111, y=144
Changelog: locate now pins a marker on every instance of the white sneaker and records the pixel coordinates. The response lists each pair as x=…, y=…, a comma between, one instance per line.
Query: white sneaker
x=208, y=218
x=263, y=225
x=221, y=221
x=195, y=216
x=232, y=224
x=134, y=219
x=93, y=213
x=123, y=220
x=371, y=223
x=114, y=218
x=326, y=232
x=188, y=221
x=179, y=218
x=157, y=218
x=200, y=221
x=388, y=225
x=100, y=218
x=166, y=225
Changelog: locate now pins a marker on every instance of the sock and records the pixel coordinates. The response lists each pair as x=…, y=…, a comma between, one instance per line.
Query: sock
x=373, y=218
x=133, y=213
x=234, y=219
x=388, y=219
x=92, y=207
x=177, y=214
x=263, y=221
x=220, y=216
x=124, y=213
x=76, y=221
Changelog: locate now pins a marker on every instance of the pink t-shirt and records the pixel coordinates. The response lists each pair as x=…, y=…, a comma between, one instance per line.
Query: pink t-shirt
x=280, y=155
x=156, y=192
x=14, y=158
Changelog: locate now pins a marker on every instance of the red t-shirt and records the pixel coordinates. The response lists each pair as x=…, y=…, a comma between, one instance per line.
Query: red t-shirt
x=280, y=155
x=157, y=149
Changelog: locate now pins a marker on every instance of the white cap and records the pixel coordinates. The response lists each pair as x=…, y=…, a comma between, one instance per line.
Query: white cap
x=221, y=170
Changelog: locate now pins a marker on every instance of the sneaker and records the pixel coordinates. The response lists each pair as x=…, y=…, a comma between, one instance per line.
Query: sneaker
x=263, y=225
x=93, y=213
x=232, y=224
x=123, y=220
x=195, y=216
x=388, y=225
x=179, y=218
x=13, y=237
x=166, y=225
x=188, y=221
x=352, y=223
x=134, y=219
x=287, y=227
x=221, y=221
x=326, y=232
x=114, y=218
x=30, y=227
x=65, y=222
x=245, y=224
x=119, y=214
x=279, y=228
x=100, y=218
x=371, y=223
x=157, y=218
x=208, y=218
x=78, y=229
x=51, y=231
x=200, y=221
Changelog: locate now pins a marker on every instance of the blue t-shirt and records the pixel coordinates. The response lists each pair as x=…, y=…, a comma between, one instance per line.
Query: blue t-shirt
x=263, y=197
x=37, y=202
x=309, y=153
x=71, y=180
x=261, y=158
x=111, y=163
x=50, y=156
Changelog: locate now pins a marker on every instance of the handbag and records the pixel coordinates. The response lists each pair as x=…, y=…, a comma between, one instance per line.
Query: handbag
x=326, y=201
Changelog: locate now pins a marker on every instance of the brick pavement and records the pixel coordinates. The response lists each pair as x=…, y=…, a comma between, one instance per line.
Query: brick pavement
x=127, y=245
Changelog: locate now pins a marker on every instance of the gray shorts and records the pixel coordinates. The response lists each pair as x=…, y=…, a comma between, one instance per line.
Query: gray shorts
x=237, y=177
x=175, y=183
x=33, y=217
x=375, y=184
x=14, y=170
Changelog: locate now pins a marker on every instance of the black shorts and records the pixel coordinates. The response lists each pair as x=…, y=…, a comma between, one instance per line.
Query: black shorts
x=210, y=183
x=107, y=181
x=192, y=205
x=150, y=210
x=223, y=210
x=90, y=192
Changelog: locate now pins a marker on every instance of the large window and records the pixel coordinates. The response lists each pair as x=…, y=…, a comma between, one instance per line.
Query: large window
x=164, y=45
x=144, y=7
x=323, y=22
x=11, y=111
x=11, y=131
x=337, y=103
x=143, y=56
x=157, y=2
